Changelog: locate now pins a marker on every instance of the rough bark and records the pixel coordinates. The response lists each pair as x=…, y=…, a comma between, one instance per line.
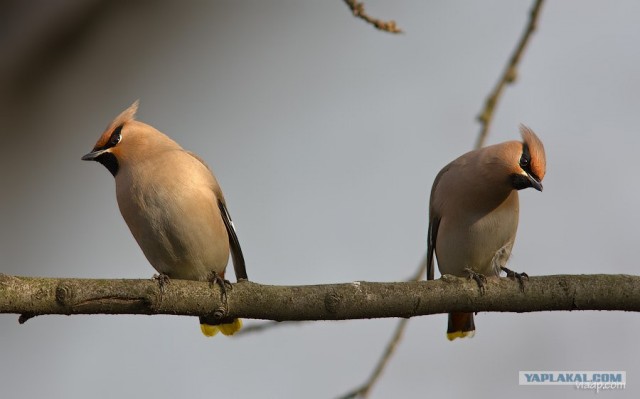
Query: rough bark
x=32, y=296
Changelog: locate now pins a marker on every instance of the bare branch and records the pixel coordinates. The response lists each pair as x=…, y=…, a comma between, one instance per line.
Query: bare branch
x=508, y=76
x=358, y=300
x=264, y=326
x=364, y=390
x=357, y=8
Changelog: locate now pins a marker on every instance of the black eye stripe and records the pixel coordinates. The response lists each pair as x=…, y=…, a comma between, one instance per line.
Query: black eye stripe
x=525, y=161
x=114, y=139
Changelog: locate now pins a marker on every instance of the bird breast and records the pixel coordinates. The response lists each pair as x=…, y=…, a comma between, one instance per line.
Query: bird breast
x=170, y=207
x=481, y=240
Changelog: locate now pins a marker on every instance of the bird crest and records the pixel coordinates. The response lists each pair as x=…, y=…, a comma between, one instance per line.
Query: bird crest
x=125, y=116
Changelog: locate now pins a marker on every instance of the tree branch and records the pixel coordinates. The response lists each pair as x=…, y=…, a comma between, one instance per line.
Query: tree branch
x=508, y=76
x=357, y=8
x=34, y=296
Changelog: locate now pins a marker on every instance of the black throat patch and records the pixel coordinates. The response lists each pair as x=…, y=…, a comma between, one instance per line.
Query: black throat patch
x=109, y=161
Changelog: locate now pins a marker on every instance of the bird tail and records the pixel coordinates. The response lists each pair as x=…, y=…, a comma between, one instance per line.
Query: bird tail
x=461, y=325
x=209, y=329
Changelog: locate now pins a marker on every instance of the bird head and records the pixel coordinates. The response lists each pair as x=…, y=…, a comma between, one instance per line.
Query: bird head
x=127, y=141
x=107, y=148
x=532, y=163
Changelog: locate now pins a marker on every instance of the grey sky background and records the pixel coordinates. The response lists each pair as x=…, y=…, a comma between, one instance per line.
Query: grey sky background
x=325, y=135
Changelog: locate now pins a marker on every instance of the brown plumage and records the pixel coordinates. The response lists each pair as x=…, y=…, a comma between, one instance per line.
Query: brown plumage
x=172, y=203
x=473, y=212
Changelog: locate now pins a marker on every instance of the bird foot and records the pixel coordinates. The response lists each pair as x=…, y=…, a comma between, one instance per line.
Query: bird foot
x=479, y=278
x=162, y=280
x=517, y=276
x=214, y=278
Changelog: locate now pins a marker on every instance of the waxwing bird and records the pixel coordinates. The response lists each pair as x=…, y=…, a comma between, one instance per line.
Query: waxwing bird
x=173, y=206
x=473, y=213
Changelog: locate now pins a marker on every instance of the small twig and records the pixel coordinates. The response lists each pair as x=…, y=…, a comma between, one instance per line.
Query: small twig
x=364, y=390
x=261, y=327
x=357, y=8
x=508, y=76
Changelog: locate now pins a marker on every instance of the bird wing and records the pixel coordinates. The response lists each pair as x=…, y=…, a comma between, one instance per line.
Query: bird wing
x=434, y=223
x=236, y=252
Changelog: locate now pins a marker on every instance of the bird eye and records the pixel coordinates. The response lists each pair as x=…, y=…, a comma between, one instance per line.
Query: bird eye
x=116, y=136
x=524, y=160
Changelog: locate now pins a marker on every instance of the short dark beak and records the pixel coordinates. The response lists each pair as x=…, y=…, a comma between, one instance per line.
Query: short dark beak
x=535, y=183
x=93, y=155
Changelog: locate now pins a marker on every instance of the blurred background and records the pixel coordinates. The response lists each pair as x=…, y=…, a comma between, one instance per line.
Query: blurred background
x=325, y=135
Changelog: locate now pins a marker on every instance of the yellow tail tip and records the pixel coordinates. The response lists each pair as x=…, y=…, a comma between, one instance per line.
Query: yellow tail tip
x=231, y=328
x=226, y=329
x=460, y=334
x=208, y=330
